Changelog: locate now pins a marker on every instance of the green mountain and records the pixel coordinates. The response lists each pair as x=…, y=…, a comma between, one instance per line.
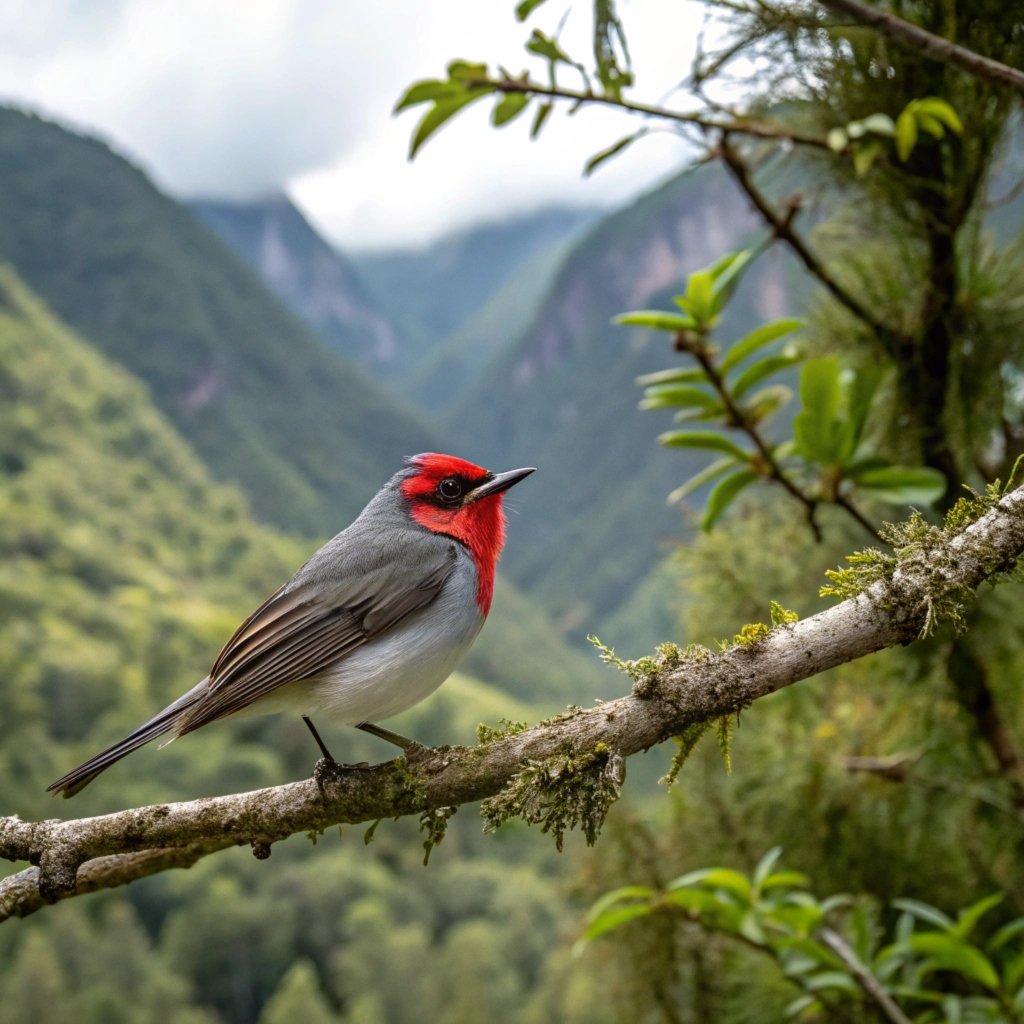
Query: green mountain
x=433, y=292
x=314, y=279
x=263, y=400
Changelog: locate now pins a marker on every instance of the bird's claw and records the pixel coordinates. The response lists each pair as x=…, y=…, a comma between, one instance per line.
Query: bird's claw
x=416, y=752
x=327, y=770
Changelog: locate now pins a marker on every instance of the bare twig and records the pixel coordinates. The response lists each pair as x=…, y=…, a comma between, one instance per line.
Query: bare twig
x=113, y=849
x=929, y=45
x=870, y=985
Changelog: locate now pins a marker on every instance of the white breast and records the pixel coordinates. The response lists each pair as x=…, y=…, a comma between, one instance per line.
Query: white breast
x=397, y=669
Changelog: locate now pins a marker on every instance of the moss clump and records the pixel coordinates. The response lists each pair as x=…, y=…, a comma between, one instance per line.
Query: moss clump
x=921, y=550
x=687, y=740
x=645, y=672
x=506, y=727
x=564, y=792
x=435, y=824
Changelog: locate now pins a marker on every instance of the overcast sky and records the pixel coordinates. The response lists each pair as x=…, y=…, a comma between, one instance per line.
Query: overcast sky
x=240, y=99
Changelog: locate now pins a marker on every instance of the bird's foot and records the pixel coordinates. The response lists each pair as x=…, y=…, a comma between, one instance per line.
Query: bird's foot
x=327, y=771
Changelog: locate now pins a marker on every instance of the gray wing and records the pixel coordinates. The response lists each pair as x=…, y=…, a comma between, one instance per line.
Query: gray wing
x=314, y=620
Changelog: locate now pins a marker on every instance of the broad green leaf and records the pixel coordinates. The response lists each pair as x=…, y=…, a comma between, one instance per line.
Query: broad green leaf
x=667, y=396
x=750, y=928
x=906, y=134
x=814, y=950
x=969, y=916
x=903, y=485
x=427, y=90
x=656, y=319
x=707, y=440
x=440, y=112
x=626, y=892
x=765, y=865
x=543, y=112
x=673, y=376
x=615, y=918
x=757, y=372
x=816, y=427
x=946, y=952
x=724, y=493
x=526, y=7
x=698, y=300
x=510, y=106
x=698, y=480
x=756, y=339
x=715, y=878
x=860, y=396
x=938, y=108
x=613, y=150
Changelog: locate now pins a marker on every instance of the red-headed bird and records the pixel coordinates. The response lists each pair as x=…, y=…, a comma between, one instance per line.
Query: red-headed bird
x=373, y=623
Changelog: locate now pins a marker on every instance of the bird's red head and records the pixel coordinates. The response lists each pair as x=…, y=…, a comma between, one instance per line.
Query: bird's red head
x=452, y=496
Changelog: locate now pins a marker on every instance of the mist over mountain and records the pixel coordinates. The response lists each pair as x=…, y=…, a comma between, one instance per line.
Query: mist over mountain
x=254, y=389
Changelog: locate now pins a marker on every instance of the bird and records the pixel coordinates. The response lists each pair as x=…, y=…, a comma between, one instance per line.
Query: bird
x=373, y=623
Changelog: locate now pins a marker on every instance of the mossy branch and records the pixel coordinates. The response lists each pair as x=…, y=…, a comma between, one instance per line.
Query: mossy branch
x=560, y=773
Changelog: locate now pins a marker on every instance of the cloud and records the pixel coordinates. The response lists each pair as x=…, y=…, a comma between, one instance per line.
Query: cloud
x=239, y=100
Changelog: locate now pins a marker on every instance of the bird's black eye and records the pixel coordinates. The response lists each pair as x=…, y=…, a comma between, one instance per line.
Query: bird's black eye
x=449, y=489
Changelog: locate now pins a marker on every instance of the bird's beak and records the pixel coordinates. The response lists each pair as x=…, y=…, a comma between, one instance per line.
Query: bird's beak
x=498, y=483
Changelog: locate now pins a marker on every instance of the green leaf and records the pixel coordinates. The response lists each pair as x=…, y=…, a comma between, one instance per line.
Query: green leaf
x=925, y=912
x=938, y=108
x=626, y=892
x=705, y=476
x=831, y=980
x=673, y=376
x=969, y=916
x=668, y=396
x=864, y=156
x=946, y=952
x=526, y=7
x=466, y=70
x=543, y=112
x=880, y=124
x=510, y=106
x=1006, y=934
x=789, y=879
x=802, y=1004
x=656, y=319
x=543, y=46
x=699, y=298
x=765, y=865
x=613, y=150
x=903, y=485
x=715, y=878
x=860, y=396
x=932, y=125
x=707, y=440
x=816, y=426
x=756, y=372
x=763, y=403
x=726, y=275
x=439, y=113
x=427, y=90
x=906, y=134
x=612, y=919
x=724, y=493
x=756, y=339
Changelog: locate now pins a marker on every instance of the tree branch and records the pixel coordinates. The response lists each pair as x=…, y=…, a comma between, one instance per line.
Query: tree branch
x=101, y=852
x=740, y=125
x=929, y=45
x=869, y=984
x=782, y=226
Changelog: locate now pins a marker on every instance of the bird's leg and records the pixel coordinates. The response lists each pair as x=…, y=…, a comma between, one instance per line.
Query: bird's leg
x=319, y=742
x=408, y=745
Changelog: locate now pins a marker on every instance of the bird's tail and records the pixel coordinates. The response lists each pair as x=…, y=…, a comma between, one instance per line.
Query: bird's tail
x=78, y=778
